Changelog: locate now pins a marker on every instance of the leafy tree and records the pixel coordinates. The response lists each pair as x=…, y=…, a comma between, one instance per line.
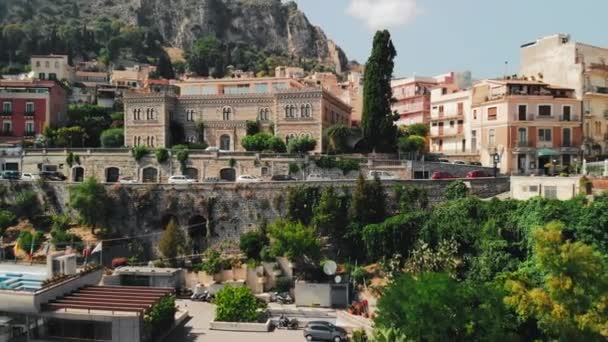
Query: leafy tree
x=26, y=204
x=294, y=241
x=27, y=240
x=162, y=155
x=456, y=190
x=388, y=335
x=564, y=287
x=412, y=144
x=435, y=307
x=256, y=142
x=12, y=36
x=377, y=121
x=206, y=58
x=213, y=262
x=301, y=202
x=396, y=235
x=91, y=201
x=237, y=304
x=411, y=198
x=164, y=66
x=301, y=145
x=368, y=202
x=337, y=139
x=113, y=137
x=92, y=120
x=253, y=127
x=7, y=218
x=419, y=129
x=330, y=213
x=276, y=144
x=173, y=242
x=252, y=243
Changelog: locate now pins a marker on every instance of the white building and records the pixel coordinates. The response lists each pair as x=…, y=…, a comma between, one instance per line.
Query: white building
x=559, y=60
x=52, y=67
x=450, y=131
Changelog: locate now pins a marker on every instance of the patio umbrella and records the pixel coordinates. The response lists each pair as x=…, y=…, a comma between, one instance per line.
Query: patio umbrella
x=547, y=152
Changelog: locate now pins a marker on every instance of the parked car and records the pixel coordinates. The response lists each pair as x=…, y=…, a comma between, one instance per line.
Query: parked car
x=212, y=180
x=442, y=175
x=52, y=175
x=324, y=331
x=180, y=179
x=247, y=179
x=127, y=180
x=478, y=174
x=382, y=175
x=443, y=160
x=29, y=177
x=459, y=162
x=282, y=178
x=11, y=175
x=212, y=149
x=475, y=163
x=317, y=177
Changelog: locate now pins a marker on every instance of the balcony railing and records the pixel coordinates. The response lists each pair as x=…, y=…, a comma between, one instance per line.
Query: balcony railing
x=525, y=144
x=596, y=89
x=570, y=117
x=6, y=113
x=29, y=113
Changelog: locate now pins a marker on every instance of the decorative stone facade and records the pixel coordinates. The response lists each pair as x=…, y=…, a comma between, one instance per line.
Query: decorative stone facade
x=293, y=111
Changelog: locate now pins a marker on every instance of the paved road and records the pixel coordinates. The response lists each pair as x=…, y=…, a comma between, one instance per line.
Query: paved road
x=197, y=329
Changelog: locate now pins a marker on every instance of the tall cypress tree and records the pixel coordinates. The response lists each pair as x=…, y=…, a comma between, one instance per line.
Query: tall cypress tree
x=164, y=67
x=378, y=121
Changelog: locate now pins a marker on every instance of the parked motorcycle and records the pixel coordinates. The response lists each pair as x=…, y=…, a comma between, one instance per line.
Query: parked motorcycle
x=286, y=323
x=204, y=296
x=284, y=298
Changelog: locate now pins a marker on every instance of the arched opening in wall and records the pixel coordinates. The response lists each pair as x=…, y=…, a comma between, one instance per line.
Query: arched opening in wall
x=78, y=174
x=225, y=142
x=191, y=173
x=112, y=175
x=228, y=175
x=150, y=175
x=164, y=221
x=197, y=232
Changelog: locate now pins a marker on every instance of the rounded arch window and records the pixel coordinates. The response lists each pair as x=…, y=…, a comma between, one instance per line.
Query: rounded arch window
x=227, y=113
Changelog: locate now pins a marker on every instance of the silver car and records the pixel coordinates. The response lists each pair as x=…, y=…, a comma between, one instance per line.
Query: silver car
x=324, y=331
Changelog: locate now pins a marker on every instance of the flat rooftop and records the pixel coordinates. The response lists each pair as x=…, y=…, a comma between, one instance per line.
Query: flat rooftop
x=22, y=277
x=99, y=299
x=150, y=271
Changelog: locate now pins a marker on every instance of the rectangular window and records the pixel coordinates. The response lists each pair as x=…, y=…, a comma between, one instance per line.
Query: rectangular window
x=544, y=110
x=492, y=113
x=29, y=128
x=522, y=136
x=460, y=108
x=7, y=127
x=29, y=108
x=474, y=114
x=440, y=109
x=533, y=188
x=567, y=113
x=261, y=88
x=473, y=141
x=491, y=137
x=544, y=134
x=522, y=112
x=550, y=191
x=52, y=76
x=7, y=107
x=209, y=90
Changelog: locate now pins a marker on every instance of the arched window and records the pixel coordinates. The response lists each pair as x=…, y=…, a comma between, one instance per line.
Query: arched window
x=134, y=114
x=225, y=142
x=152, y=141
x=134, y=141
x=151, y=113
x=287, y=112
x=227, y=114
x=306, y=110
x=147, y=141
x=147, y=113
x=293, y=111
x=264, y=114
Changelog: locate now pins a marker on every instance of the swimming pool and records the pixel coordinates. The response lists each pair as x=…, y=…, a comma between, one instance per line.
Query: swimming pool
x=21, y=277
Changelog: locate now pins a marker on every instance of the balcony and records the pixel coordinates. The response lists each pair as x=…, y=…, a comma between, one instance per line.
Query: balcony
x=6, y=113
x=524, y=146
x=569, y=147
x=443, y=116
x=29, y=113
x=569, y=117
x=597, y=90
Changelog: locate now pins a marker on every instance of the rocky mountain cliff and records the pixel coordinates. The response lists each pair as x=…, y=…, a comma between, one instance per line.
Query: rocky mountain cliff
x=269, y=25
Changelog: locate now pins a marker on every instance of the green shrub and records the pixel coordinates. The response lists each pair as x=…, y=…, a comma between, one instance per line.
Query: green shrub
x=252, y=243
x=213, y=262
x=198, y=146
x=348, y=165
x=284, y=284
x=26, y=238
x=266, y=254
x=456, y=190
x=359, y=335
x=113, y=137
x=293, y=168
x=162, y=155
x=253, y=127
x=26, y=204
x=7, y=218
x=237, y=304
x=138, y=152
x=301, y=145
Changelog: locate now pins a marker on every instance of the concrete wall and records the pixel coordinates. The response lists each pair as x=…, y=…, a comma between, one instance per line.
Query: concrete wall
x=309, y=294
x=564, y=188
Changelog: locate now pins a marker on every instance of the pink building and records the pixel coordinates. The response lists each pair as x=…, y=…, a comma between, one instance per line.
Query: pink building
x=413, y=95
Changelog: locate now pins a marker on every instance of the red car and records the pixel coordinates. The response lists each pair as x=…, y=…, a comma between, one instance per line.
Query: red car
x=442, y=175
x=477, y=174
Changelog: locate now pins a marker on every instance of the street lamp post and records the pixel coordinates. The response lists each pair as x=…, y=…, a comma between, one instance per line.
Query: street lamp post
x=495, y=160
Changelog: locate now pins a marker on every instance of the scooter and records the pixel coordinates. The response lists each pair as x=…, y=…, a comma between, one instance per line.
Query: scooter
x=286, y=323
x=284, y=298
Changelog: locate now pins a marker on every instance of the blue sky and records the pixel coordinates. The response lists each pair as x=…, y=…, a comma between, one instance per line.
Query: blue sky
x=436, y=36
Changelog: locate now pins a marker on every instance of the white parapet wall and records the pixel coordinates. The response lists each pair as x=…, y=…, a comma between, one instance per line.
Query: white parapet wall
x=562, y=188
x=242, y=327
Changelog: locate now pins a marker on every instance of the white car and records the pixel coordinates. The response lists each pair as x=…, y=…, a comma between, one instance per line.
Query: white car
x=29, y=177
x=247, y=179
x=382, y=175
x=180, y=180
x=127, y=180
x=212, y=149
x=316, y=177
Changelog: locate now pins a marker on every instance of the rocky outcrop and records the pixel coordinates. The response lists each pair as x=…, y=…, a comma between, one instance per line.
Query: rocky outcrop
x=270, y=25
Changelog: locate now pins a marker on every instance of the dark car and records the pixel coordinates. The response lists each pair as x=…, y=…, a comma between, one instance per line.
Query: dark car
x=52, y=176
x=282, y=178
x=442, y=175
x=475, y=163
x=324, y=331
x=12, y=175
x=477, y=174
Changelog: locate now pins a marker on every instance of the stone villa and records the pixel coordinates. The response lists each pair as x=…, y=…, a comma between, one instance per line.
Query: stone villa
x=282, y=105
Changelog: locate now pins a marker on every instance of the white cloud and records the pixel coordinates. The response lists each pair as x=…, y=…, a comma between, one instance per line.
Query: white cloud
x=381, y=14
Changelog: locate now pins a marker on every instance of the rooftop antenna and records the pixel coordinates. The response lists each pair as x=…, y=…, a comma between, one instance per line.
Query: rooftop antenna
x=506, y=68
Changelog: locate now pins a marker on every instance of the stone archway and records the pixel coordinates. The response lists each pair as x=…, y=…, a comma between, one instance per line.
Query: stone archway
x=197, y=233
x=228, y=175
x=149, y=175
x=77, y=174
x=112, y=175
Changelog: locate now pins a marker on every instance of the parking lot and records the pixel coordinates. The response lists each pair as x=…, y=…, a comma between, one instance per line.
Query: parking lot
x=196, y=329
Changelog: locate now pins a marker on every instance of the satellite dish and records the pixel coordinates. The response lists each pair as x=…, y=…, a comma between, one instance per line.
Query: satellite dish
x=338, y=279
x=330, y=267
